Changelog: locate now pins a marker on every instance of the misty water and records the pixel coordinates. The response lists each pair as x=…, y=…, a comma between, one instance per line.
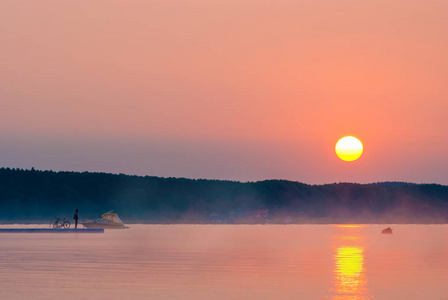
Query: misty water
x=228, y=262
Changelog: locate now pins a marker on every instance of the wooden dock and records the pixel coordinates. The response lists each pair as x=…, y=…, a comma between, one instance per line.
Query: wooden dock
x=51, y=230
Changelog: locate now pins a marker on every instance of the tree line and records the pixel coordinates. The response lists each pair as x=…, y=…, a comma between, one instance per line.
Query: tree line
x=40, y=195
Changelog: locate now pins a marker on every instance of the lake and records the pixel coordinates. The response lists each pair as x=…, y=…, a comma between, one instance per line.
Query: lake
x=341, y=262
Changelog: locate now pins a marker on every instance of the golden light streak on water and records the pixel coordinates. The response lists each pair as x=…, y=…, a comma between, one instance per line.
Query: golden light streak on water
x=350, y=280
x=350, y=225
x=349, y=275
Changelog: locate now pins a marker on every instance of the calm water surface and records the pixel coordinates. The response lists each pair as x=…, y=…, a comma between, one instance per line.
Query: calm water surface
x=338, y=262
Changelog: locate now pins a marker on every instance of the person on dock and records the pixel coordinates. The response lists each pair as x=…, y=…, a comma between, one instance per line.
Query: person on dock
x=76, y=218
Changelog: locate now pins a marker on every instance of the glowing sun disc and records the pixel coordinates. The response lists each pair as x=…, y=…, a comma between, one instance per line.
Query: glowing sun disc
x=349, y=148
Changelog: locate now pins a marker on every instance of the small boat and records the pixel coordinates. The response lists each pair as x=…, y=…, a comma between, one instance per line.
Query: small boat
x=388, y=230
x=108, y=220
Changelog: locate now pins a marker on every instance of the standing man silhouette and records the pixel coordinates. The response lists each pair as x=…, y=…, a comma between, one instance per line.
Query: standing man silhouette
x=76, y=218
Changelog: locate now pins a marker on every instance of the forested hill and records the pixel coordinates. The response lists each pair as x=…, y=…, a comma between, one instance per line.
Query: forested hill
x=40, y=195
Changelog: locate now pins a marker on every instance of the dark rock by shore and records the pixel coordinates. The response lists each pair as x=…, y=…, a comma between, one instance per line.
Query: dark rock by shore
x=388, y=230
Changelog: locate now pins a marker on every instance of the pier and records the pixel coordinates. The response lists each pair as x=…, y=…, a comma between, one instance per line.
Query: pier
x=51, y=230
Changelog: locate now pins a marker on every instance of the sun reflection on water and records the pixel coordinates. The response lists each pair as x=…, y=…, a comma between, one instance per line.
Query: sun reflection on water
x=350, y=281
x=350, y=225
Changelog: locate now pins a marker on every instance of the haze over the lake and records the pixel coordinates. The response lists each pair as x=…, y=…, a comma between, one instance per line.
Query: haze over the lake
x=239, y=90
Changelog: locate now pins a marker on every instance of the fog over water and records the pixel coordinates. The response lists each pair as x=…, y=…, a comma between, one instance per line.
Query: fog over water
x=228, y=262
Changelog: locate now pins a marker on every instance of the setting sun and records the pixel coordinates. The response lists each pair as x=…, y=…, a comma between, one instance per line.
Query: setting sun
x=349, y=148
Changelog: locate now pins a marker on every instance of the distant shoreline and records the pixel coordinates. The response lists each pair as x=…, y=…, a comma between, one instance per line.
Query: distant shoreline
x=32, y=196
x=325, y=221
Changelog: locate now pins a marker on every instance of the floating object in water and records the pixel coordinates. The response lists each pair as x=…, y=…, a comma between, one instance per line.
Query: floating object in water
x=388, y=230
x=50, y=230
x=109, y=220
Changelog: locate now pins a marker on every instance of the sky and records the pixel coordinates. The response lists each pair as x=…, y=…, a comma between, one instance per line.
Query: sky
x=237, y=90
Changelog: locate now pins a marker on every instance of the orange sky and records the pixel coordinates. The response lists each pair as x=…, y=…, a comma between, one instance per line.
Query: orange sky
x=238, y=90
